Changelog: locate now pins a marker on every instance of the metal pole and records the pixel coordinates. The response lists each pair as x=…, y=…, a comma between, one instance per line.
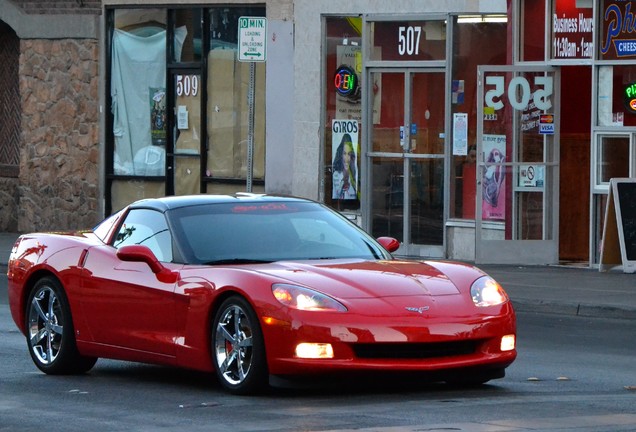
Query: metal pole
x=250, y=130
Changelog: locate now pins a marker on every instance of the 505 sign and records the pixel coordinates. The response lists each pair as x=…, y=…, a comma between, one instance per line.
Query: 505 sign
x=519, y=92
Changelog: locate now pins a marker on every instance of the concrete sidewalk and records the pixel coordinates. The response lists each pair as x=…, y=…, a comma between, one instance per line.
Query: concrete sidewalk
x=568, y=290
x=551, y=289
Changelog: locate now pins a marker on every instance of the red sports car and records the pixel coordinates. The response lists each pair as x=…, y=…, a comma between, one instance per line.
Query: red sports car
x=253, y=287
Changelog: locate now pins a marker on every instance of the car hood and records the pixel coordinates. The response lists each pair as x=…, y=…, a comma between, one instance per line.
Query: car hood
x=365, y=279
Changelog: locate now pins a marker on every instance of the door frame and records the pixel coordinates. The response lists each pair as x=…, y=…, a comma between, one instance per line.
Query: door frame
x=406, y=247
x=489, y=249
x=172, y=153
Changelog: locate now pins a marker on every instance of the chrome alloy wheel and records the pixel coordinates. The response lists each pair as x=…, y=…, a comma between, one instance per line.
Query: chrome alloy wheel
x=233, y=344
x=45, y=325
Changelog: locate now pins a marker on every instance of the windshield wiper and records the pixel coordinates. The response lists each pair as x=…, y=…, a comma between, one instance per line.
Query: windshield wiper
x=238, y=261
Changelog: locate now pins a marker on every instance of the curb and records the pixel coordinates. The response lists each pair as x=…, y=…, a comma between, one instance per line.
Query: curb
x=574, y=309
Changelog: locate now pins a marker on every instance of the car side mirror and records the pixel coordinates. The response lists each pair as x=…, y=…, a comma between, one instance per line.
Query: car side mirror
x=139, y=253
x=389, y=243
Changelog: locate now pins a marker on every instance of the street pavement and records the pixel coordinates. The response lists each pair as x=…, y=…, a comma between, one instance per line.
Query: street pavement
x=566, y=290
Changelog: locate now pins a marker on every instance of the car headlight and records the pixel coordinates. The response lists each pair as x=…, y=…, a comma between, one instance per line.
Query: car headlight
x=485, y=291
x=305, y=299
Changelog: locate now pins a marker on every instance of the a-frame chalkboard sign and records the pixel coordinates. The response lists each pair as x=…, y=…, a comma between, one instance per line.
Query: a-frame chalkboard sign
x=618, y=245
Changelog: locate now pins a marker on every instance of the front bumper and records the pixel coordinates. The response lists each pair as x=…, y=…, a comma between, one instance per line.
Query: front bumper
x=407, y=344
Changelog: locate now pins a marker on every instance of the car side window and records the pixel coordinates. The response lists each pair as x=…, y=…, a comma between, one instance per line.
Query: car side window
x=148, y=228
x=102, y=230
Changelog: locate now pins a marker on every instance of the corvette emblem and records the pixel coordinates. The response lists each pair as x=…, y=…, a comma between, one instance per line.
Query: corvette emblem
x=419, y=310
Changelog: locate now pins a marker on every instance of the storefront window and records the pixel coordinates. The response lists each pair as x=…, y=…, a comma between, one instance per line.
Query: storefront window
x=138, y=91
x=616, y=95
x=343, y=87
x=477, y=42
x=155, y=51
x=572, y=24
x=228, y=111
x=570, y=29
x=138, y=105
x=189, y=18
x=613, y=158
x=408, y=40
x=616, y=33
x=532, y=30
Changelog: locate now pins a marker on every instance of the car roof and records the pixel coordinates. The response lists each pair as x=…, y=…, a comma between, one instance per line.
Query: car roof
x=173, y=202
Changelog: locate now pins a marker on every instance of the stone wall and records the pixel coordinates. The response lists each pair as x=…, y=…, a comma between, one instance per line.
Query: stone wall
x=58, y=183
x=8, y=204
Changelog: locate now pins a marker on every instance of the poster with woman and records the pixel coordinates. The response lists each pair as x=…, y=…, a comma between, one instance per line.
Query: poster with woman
x=344, y=156
x=494, y=187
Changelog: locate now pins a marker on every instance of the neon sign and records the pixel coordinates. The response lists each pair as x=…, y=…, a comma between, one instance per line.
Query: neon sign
x=629, y=95
x=345, y=81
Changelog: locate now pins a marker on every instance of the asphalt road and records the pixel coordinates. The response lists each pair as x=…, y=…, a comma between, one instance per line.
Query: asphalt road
x=572, y=374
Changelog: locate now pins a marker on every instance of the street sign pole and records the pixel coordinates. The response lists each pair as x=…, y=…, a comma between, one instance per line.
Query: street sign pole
x=250, y=130
x=252, y=47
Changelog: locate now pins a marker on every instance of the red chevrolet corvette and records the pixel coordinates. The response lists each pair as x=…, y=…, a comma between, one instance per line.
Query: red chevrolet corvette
x=253, y=287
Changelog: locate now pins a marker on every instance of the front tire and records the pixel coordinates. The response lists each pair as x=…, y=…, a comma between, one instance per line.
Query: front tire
x=49, y=331
x=238, y=349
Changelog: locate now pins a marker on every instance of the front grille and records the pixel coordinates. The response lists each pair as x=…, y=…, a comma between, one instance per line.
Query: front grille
x=414, y=350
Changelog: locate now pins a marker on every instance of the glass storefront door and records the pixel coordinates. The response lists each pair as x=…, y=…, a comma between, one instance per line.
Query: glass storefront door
x=517, y=161
x=406, y=158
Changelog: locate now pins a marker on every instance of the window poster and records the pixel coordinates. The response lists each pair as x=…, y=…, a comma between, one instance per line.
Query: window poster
x=158, y=115
x=344, y=156
x=494, y=175
x=460, y=134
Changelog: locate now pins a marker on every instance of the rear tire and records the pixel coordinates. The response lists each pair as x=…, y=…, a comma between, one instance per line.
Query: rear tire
x=238, y=350
x=50, y=334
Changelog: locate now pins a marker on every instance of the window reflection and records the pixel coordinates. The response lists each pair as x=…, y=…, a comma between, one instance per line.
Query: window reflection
x=147, y=228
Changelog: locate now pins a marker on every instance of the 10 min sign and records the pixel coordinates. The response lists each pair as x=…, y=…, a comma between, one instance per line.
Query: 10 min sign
x=252, y=39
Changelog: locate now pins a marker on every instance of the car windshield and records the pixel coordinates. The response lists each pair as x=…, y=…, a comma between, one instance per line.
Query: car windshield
x=238, y=233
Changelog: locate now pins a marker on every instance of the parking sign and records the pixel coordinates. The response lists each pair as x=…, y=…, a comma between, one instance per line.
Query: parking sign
x=252, y=39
